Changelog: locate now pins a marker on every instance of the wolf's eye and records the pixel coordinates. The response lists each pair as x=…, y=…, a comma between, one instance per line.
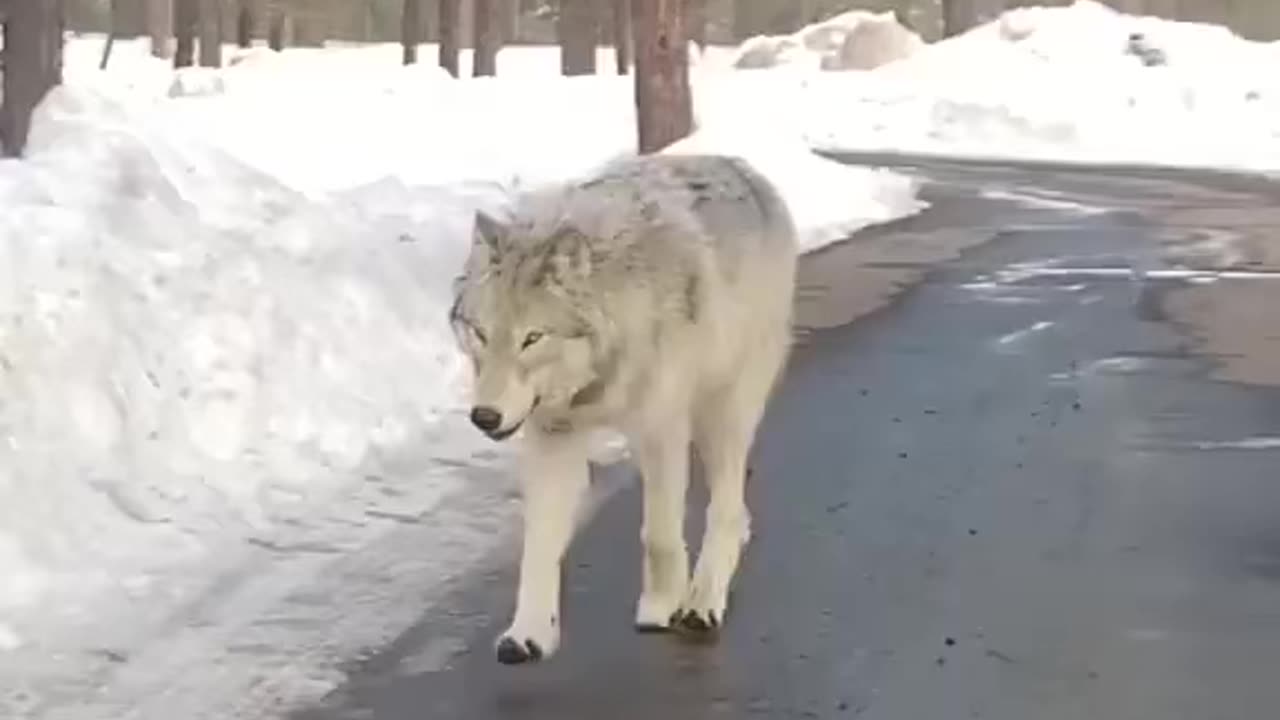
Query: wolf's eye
x=530, y=339
x=479, y=336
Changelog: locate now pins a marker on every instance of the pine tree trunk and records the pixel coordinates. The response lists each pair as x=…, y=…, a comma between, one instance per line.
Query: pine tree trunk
x=117, y=26
x=621, y=20
x=32, y=60
x=211, y=33
x=696, y=22
x=488, y=38
x=753, y=17
x=664, y=104
x=160, y=27
x=244, y=24
x=956, y=17
x=275, y=28
x=578, y=30
x=310, y=28
x=510, y=11
x=450, y=27
x=186, y=22
x=411, y=31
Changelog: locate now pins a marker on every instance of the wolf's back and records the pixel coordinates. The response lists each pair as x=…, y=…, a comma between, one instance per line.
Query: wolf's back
x=732, y=204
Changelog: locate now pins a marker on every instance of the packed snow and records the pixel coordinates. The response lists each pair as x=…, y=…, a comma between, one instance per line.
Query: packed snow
x=223, y=327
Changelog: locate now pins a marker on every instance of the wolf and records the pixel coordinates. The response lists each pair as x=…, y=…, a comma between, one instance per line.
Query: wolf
x=652, y=298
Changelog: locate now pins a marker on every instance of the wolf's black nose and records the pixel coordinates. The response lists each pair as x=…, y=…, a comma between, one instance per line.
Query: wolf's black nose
x=486, y=418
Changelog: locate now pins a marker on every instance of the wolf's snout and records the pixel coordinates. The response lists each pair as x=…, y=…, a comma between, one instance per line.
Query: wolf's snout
x=486, y=418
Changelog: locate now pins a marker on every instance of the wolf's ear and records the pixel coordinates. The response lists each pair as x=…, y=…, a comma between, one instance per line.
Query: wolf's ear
x=486, y=238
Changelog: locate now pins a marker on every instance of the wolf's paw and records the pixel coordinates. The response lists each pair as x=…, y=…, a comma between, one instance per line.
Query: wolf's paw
x=524, y=644
x=702, y=612
x=702, y=622
x=655, y=613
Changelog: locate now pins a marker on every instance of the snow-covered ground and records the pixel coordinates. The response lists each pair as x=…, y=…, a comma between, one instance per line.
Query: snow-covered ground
x=226, y=382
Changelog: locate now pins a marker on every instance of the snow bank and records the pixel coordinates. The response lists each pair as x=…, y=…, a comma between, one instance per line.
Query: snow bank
x=854, y=40
x=189, y=348
x=1081, y=83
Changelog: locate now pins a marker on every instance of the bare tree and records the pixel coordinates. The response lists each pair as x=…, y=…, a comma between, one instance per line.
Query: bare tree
x=411, y=31
x=211, y=33
x=664, y=104
x=450, y=28
x=32, y=60
x=160, y=27
x=186, y=22
x=578, y=29
x=621, y=21
x=488, y=37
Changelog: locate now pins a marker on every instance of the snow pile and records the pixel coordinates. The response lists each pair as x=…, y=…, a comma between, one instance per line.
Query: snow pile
x=1081, y=83
x=854, y=40
x=188, y=348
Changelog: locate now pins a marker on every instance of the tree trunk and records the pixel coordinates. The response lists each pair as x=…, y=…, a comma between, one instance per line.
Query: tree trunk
x=244, y=24
x=956, y=17
x=664, y=104
x=621, y=21
x=310, y=28
x=211, y=33
x=696, y=22
x=160, y=27
x=755, y=17
x=186, y=22
x=410, y=31
x=488, y=38
x=32, y=60
x=450, y=20
x=275, y=27
x=117, y=26
x=510, y=11
x=578, y=30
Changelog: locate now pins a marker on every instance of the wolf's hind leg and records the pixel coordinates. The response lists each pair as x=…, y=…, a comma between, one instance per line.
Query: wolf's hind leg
x=724, y=432
x=663, y=458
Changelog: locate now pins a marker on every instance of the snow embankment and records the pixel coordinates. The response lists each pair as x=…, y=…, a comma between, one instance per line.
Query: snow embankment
x=1081, y=83
x=854, y=40
x=189, y=351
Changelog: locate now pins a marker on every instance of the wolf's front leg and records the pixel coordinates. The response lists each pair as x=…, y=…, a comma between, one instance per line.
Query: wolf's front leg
x=664, y=464
x=555, y=477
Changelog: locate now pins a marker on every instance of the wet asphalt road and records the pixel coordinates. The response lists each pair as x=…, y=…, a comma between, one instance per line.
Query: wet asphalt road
x=987, y=492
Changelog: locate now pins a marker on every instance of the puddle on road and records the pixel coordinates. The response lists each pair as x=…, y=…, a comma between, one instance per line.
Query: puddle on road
x=1231, y=319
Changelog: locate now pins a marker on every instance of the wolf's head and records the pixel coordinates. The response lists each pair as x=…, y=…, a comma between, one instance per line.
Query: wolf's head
x=522, y=313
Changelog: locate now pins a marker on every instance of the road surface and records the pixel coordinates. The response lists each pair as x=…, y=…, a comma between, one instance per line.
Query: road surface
x=1023, y=465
